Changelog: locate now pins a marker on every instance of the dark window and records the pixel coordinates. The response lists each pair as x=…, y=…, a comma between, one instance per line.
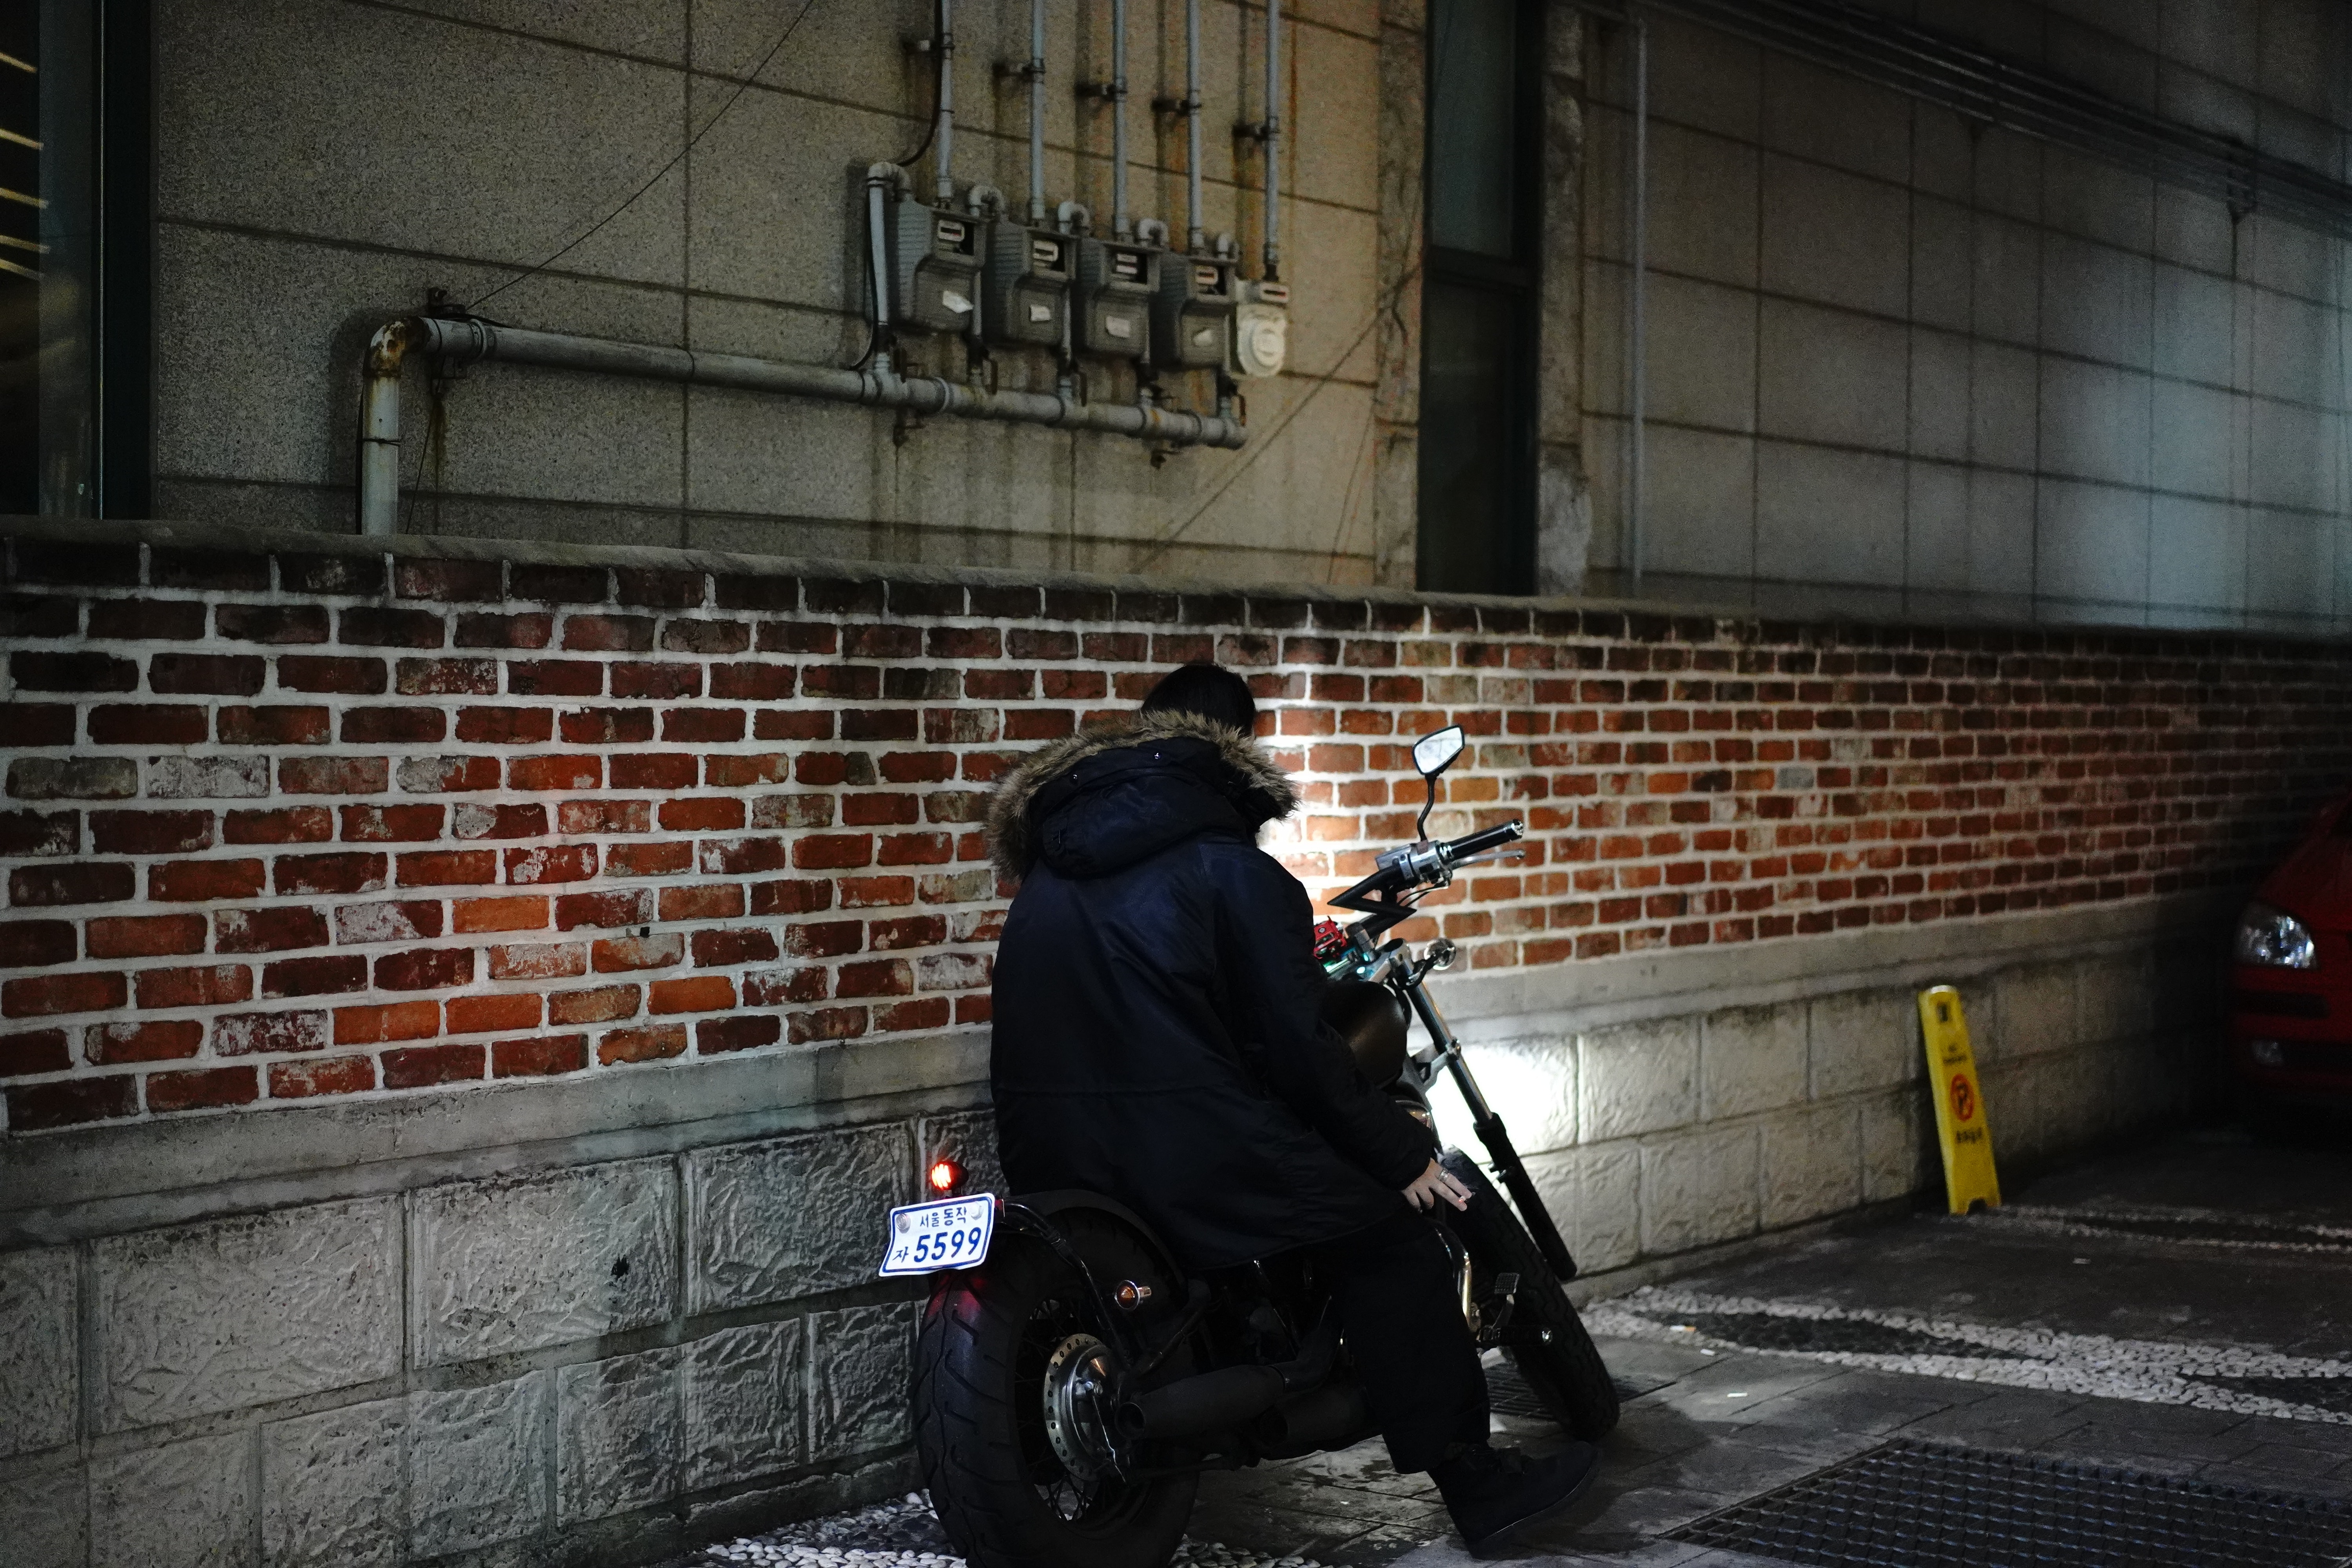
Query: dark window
x=74, y=327
x=1476, y=531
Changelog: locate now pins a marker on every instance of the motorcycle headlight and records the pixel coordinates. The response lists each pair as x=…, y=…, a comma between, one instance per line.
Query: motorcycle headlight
x=2275, y=939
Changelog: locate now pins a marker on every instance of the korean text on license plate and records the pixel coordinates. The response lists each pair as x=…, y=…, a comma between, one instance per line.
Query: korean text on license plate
x=952, y=1233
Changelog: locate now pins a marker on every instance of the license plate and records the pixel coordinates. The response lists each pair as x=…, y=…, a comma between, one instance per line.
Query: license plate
x=951, y=1232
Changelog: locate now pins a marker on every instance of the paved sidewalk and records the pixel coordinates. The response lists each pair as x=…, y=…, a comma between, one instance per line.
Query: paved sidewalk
x=2182, y=1311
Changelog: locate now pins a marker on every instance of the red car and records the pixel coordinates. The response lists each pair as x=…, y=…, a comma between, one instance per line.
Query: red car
x=2291, y=975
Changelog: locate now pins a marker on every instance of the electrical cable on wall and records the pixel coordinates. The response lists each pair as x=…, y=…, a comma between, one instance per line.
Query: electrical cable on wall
x=659, y=175
x=1258, y=448
x=1387, y=305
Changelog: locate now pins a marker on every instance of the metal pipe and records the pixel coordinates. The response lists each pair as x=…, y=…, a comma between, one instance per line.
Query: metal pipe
x=456, y=343
x=878, y=177
x=379, y=504
x=1119, y=225
x=981, y=201
x=1273, y=142
x=1036, y=113
x=1192, y=126
x=1638, y=353
x=943, y=137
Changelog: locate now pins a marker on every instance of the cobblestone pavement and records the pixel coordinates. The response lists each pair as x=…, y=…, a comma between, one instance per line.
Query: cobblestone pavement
x=2183, y=1312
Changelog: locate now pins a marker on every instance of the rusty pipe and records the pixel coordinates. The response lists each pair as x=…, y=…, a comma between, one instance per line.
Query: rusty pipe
x=454, y=343
x=379, y=457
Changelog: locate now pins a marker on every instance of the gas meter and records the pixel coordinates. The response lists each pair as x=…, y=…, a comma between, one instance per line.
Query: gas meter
x=936, y=260
x=1192, y=313
x=1028, y=284
x=1116, y=283
x=1261, y=329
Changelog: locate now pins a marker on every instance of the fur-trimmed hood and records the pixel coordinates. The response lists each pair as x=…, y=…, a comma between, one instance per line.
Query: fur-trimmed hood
x=1215, y=757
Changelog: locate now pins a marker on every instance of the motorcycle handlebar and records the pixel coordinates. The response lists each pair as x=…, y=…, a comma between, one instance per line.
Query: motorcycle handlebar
x=1461, y=848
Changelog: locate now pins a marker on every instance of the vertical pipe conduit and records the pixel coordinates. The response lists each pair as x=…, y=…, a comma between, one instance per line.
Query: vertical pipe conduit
x=1271, y=145
x=1036, y=113
x=1195, y=239
x=943, y=137
x=1637, y=316
x=1119, y=226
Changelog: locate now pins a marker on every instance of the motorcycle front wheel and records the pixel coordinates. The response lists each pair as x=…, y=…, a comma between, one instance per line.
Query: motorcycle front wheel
x=1545, y=1339
x=1003, y=1447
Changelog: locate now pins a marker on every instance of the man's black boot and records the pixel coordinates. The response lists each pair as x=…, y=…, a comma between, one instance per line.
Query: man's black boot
x=1491, y=1492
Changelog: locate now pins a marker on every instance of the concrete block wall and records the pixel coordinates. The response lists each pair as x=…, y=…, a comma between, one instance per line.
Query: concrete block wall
x=1676, y=1131
x=289, y=823
x=747, y=148
x=593, y=1361
x=1892, y=350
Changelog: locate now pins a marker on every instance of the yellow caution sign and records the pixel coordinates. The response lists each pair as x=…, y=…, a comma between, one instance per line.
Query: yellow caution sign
x=1968, y=1176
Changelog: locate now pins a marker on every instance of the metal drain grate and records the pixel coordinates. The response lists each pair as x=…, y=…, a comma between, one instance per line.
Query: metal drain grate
x=1913, y=1505
x=1507, y=1393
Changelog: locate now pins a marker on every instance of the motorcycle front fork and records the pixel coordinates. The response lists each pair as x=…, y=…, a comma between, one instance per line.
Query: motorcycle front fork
x=1492, y=1133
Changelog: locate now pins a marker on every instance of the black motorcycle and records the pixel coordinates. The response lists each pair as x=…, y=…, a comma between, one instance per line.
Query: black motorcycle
x=1070, y=1387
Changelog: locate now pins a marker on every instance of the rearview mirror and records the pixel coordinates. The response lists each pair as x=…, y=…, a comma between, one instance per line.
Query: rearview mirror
x=1435, y=752
x=1432, y=754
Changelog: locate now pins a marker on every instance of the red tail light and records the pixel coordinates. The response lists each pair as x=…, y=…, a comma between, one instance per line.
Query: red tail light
x=945, y=1176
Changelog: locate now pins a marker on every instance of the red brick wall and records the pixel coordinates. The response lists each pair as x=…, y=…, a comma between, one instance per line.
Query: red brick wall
x=307, y=824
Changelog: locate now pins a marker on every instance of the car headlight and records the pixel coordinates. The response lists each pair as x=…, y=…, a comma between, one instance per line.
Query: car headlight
x=2274, y=938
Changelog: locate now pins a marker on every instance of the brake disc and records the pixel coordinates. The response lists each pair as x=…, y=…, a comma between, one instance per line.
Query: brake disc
x=1077, y=1382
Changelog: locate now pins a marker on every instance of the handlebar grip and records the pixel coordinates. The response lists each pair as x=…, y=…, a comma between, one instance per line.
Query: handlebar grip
x=1479, y=843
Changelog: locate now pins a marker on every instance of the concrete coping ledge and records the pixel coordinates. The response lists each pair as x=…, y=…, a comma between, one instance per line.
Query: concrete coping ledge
x=2040, y=618
x=53, y=1186
x=1596, y=993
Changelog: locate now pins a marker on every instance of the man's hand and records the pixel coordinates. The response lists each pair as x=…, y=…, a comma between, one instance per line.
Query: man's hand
x=1435, y=1183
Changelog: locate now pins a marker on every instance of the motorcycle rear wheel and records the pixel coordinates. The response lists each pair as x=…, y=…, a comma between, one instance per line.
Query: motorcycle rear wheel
x=1549, y=1343
x=1003, y=1491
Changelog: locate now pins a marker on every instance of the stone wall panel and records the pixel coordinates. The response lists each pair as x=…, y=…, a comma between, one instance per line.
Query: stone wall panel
x=1811, y=1162
x=2114, y=998
x=227, y=1313
x=40, y=1381
x=44, y=1512
x=1638, y=1078
x=617, y=1435
x=1698, y=1187
x=746, y=1402
x=2037, y=1012
x=175, y=1504
x=792, y=1217
x=1863, y=1040
x=1897, y=1135
x=1750, y=1059
x=332, y=1487
x=860, y=1359
x=478, y=1466
x=513, y=1264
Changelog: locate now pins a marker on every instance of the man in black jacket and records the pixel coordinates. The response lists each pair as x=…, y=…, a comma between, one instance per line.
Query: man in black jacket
x=1156, y=1041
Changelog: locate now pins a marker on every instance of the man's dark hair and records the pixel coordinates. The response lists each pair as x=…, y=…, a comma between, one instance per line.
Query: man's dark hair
x=1208, y=690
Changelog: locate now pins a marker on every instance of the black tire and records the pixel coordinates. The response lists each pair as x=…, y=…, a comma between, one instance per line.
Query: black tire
x=1548, y=1341
x=1002, y=1494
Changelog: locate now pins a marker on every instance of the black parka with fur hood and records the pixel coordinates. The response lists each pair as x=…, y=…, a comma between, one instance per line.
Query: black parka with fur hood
x=1156, y=1033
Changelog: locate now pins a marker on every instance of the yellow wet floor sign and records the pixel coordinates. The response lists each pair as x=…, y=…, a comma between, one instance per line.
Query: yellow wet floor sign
x=1959, y=1103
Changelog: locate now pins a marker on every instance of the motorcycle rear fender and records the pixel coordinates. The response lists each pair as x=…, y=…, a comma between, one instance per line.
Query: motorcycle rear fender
x=1046, y=1206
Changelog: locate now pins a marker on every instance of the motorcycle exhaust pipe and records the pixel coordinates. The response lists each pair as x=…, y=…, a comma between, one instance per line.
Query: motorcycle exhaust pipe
x=1335, y=1416
x=1195, y=1406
